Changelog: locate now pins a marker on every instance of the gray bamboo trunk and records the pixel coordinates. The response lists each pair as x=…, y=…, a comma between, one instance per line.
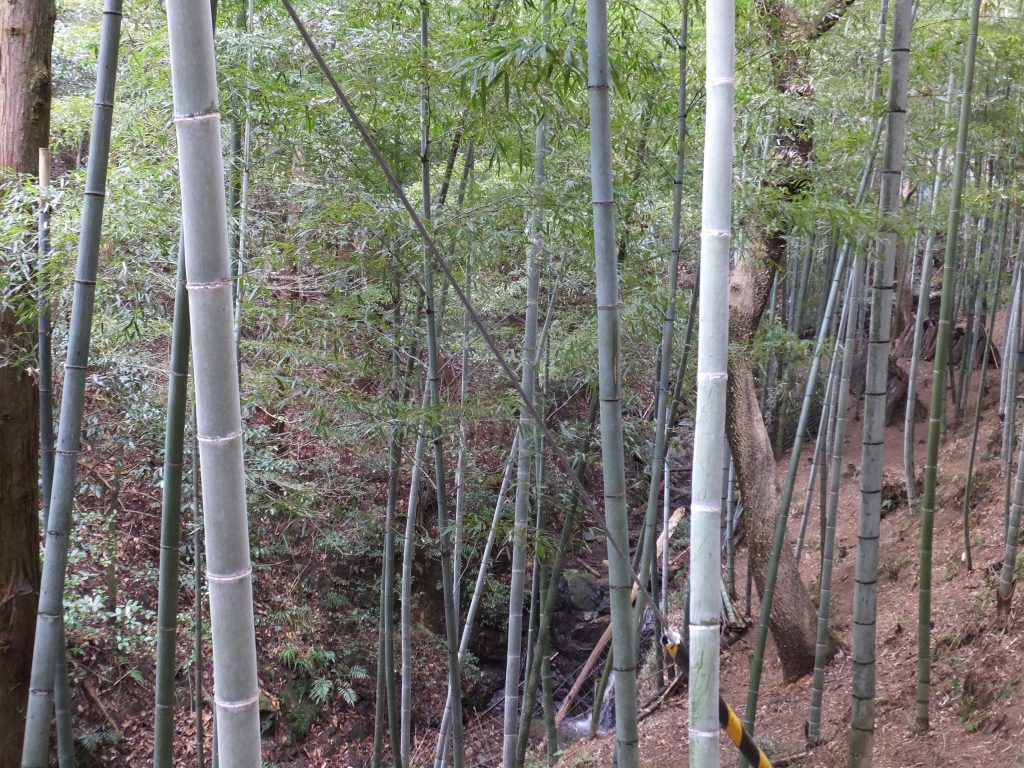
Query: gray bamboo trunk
x=408, y=551
x=47, y=451
x=170, y=530
x=433, y=390
x=712, y=363
x=835, y=480
x=1007, y=575
x=524, y=471
x=876, y=379
x=938, y=385
x=243, y=192
x=661, y=426
x=197, y=608
x=218, y=411
x=923, y=296
x=1008, y=387
x=478, y=590
x=612, y=456
x=44, y=354
x=49, y=637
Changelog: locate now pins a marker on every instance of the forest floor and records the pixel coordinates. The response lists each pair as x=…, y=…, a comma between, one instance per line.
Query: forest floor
x=977, y=701
x=311, y=591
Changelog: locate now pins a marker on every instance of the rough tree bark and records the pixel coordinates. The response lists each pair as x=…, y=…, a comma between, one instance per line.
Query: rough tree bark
x=793, y=613
x=793, y=617
x=26, y=38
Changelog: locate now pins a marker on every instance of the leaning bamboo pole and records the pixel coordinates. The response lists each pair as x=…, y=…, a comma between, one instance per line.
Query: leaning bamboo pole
x=47, y=450
x=218, y=410
x=49, y=638
x=386, y=701
x=440, y=752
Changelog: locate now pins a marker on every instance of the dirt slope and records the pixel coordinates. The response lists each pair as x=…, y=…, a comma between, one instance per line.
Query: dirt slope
x=977, y=698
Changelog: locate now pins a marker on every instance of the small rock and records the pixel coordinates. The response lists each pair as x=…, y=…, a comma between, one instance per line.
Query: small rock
x=584, y=591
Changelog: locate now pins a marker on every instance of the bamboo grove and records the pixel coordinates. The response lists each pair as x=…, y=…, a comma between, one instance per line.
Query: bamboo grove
x=530, y=355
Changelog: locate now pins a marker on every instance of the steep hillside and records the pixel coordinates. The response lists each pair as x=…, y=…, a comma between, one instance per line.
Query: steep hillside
x=977, y=697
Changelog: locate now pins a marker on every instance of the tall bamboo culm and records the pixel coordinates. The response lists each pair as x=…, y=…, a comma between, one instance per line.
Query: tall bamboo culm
x=218, y=412
x=942, y=344
x=49, y=639
x=238, y=268
x=524, y=471
x=910, y=418
x=170, y=528
x=451, y=617
x=648, y=567
x=712, y=363
x=44, y=352
x=1007, y=574
x=612, y=461
x=835, y=480
x=197, y=607
x=47, y=449
x=408, y=552
x=876, y=379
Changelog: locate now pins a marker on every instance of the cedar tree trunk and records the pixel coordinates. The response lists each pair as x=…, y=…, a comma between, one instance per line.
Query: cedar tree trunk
x=26, y=37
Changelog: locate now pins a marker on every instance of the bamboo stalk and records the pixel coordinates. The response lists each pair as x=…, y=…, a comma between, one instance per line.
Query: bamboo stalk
x=986, y=353
x=661, y=423
x=44, y=351
x=938, y=383
x=612, y=457
x=408, y=551
x=478, y=591
x=197, y=608
x=386, y=693
x=527, y=429
x=243, y=192
x=218, y=411
x=712, y=359
x=170, y=529
x=923, y=303
x=828, y=543
x=876, y=378
x=434, y=393
x=49, y=636
x=47, y=450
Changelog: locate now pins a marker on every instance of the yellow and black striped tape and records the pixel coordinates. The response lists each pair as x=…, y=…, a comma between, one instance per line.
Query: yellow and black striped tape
x=727, y=719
